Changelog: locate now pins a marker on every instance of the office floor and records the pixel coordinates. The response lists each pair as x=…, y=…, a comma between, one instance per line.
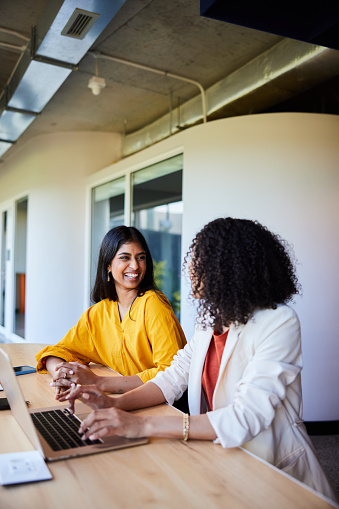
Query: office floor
x=327, y=447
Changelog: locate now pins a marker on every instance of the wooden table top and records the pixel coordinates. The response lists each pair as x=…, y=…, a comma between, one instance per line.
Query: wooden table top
x=164, y=473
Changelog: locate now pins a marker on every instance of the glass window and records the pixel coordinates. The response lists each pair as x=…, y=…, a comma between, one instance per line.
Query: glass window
x=157, y=210
x=108, y=204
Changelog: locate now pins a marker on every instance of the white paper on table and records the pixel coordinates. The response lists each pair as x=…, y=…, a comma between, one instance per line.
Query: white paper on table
x=21, y=467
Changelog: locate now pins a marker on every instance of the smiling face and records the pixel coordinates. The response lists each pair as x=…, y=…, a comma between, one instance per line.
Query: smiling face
x=128, y=267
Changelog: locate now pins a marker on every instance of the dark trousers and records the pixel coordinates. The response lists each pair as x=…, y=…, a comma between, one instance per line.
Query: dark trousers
x=182, y=403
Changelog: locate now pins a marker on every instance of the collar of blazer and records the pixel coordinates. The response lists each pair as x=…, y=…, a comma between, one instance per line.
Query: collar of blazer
x=203, y=339
x=232, y=339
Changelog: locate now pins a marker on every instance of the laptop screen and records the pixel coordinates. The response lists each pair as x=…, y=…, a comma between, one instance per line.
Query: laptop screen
x=16, y=400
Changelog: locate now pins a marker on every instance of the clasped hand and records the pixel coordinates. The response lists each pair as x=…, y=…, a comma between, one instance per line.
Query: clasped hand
x=90, y=394
x=68, y=374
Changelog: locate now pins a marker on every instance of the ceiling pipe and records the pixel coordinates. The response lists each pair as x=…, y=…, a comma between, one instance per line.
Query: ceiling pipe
x=14, y=47
x=264, y=78
x=13, y=32
x=97, y=54
x=10, y=46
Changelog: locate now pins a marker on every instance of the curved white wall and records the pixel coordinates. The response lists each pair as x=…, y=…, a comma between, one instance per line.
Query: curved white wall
x=52, y=171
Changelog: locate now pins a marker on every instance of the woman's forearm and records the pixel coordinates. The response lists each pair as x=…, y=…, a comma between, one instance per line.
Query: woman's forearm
x=118, y=384
x=110, y=417
x=111, y=421
x=145, y=396
x=142, y=397
x=51, y=362
x=200, y=427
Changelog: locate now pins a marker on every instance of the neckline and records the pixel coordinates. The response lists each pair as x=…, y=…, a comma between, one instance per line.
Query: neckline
x=128, y=310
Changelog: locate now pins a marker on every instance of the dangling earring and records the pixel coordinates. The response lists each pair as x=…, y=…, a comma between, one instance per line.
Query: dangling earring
x=108, y=278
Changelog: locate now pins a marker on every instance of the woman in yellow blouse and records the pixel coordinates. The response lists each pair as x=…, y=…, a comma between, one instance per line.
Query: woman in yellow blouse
x=131, y=328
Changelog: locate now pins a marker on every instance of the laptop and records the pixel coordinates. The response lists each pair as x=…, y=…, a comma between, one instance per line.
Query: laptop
x=53, y=430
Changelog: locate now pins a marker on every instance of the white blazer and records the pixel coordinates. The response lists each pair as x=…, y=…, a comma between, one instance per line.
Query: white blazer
x=257, y=402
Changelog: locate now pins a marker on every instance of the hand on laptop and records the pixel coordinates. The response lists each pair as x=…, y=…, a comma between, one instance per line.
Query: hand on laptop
x=89, y=394
x=68, y=373
x=112, y=421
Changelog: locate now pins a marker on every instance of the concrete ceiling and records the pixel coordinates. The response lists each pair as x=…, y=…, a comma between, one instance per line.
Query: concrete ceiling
x=228, y=60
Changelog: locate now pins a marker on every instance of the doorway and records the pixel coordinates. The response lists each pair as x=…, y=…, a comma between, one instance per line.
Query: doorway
x=20, y=249
x=4, y=259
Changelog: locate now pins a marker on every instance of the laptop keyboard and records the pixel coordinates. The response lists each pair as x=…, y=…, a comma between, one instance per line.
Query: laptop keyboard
x=60, y=429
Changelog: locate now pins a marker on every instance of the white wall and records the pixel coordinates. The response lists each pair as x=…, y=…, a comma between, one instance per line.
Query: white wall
x=281, y=169
x=51, y=171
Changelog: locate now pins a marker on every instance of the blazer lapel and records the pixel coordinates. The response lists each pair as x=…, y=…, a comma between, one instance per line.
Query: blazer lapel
x=231, y=341
x=202, y=340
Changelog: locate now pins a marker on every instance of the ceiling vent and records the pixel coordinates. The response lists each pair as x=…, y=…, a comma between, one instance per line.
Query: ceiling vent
x=79, y=24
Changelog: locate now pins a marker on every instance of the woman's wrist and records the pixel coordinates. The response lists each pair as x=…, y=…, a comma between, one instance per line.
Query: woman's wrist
x=149, y=428
x=104, y=383
x=182, y=427
x=118, y=384
x=50, y=363
x=161, y=426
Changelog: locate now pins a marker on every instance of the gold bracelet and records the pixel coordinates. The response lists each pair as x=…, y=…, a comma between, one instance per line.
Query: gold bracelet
x=186, y=426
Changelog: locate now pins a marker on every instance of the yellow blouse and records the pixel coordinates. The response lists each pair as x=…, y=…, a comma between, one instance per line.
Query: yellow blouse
x=142, y=344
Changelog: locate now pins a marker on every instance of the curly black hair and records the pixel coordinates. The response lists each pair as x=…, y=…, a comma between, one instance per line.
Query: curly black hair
x=238, y=266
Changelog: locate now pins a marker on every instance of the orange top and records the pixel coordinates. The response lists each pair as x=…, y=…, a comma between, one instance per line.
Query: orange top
x=212, y=366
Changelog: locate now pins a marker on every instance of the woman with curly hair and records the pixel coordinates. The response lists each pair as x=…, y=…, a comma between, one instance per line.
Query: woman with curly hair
x=242, y=367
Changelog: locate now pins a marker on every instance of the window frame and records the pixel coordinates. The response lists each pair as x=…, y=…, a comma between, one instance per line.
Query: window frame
x=125, y=169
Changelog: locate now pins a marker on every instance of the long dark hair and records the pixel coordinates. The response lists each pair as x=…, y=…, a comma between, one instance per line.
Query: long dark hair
x=238, y=266
x=110, y=245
